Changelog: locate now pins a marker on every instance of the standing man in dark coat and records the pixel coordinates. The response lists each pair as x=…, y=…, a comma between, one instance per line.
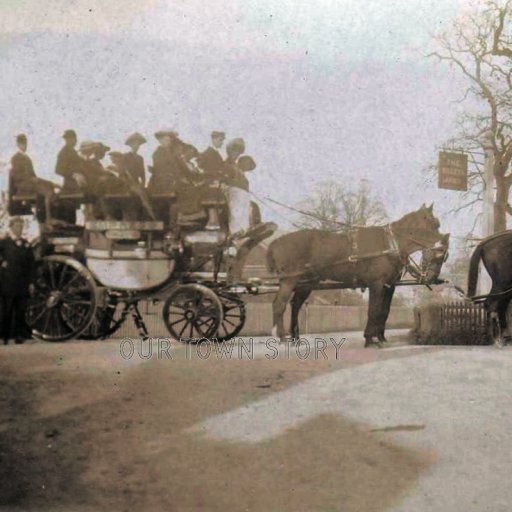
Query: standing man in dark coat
x=69, y=165
x=133, y=162
x=211, y=160
x=166, y=167
x=16, y=271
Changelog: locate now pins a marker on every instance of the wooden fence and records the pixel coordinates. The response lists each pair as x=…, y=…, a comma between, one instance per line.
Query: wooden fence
x=313, y=319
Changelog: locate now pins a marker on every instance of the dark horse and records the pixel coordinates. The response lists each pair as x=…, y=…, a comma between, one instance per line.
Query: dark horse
x=496, y=255
x=303, y=259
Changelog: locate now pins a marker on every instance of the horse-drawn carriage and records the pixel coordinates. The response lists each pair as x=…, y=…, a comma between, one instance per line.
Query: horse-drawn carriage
x=89, y=279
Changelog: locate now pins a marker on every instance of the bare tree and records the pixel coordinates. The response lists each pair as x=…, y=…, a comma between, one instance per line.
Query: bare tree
x=478, y=47
x=332, y=206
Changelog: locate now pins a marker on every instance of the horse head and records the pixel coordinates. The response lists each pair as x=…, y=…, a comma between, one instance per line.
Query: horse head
x=417, y=230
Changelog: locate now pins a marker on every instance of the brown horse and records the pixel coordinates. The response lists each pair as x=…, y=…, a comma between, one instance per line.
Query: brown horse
x=303, y=259
x=496, y=254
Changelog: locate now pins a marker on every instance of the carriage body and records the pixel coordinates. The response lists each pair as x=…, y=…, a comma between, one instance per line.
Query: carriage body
x=90, y=278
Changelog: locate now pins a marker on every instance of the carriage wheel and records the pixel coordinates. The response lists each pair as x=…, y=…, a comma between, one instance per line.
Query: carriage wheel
x=192, y=312
x=64, y=300
x=233, y=318
x=106, y=321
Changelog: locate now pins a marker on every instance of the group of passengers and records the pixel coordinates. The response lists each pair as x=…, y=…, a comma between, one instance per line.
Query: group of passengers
x=178, y=169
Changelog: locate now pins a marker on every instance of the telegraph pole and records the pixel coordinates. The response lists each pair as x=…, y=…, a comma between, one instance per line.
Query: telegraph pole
x=488, y=202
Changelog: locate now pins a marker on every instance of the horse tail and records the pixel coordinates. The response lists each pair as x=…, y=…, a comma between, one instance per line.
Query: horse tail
x=473, y=269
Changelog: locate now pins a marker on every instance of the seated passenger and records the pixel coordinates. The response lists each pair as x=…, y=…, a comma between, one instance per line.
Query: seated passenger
x=24, y=181
x=117, y=180
x=211, y=160
x=69, y=165
x=92, y=171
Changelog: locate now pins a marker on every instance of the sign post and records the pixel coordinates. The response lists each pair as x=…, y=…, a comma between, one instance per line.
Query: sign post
x=453, y=171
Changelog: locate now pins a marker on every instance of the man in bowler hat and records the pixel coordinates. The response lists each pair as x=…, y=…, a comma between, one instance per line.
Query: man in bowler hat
x=16, y=271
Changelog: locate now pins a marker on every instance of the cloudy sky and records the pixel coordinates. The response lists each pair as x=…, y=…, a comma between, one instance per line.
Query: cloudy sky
x=323, y=90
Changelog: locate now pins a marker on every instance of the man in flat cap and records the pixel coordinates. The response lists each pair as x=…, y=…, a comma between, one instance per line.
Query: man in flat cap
x=16, y=271
x=23, y=180
x=70, y=166
x=211, y=160
x=133, y=162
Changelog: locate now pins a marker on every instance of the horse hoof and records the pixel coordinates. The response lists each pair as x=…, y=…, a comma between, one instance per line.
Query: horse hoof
x=382, y=339
x=370, y=343
x=499, y=342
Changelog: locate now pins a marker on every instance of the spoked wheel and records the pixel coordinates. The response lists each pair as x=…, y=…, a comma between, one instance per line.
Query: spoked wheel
x=192, y=312
x=107, y=320
x=64, y=300
x=233, y=318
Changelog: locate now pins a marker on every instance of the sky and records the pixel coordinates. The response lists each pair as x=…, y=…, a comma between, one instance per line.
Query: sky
x=335, y=90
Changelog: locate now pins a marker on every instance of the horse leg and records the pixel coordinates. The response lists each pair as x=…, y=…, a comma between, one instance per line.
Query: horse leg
x=283, y=296
x=374, y=311
x=502, y=317
x=299, y=297
x=504, y=320
x=389, y=290
x=493, y=322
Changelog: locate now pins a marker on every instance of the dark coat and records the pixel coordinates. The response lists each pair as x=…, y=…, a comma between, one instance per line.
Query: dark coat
x=134, y=164
x=93, y=171
x=68, y=163
x=16, y=267
x=165, y=171
x=23, y=177
x=212, y=164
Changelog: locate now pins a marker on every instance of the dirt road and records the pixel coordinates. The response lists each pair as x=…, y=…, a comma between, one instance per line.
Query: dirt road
x=82, y=428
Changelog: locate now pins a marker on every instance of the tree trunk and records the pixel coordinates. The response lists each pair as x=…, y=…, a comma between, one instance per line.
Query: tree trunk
x=500, y=206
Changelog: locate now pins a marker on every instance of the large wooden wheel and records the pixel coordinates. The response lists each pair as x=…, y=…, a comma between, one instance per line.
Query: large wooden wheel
x=233, y=318
x=64, y=300
x=192, y=312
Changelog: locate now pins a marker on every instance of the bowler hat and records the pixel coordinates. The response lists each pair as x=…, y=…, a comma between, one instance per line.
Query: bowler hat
x=135, y=138
x=237, y=143
x=216, y=134
x=69, y=134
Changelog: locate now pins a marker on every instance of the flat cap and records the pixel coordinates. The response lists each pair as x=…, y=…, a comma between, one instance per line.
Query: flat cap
x=135, y=138
x=21, y=137
x=216, y=134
